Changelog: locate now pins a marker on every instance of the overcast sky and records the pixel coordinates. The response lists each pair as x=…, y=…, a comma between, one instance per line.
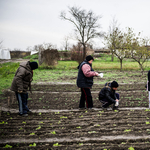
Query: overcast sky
x=25, y=23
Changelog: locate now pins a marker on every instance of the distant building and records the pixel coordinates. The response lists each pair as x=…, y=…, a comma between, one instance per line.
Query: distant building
x=19, y=54
x=5, y=54
x=98, y=52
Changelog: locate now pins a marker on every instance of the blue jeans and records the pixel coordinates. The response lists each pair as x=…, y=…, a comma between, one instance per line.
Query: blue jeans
x=106, y=103
x=22, y=102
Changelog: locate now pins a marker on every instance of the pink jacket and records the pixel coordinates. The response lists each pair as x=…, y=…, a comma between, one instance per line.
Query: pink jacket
x=87, y=71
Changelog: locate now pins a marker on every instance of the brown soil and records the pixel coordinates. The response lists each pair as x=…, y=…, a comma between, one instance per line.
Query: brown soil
x=61, y=125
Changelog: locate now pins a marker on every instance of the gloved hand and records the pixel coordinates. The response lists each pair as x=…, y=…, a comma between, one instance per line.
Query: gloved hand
x=117, y=103
x=19, y=91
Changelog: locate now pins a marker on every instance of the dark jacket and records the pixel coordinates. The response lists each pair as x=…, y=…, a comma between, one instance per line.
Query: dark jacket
x=82, y=80
x=148, y=83
x=22, y=79
x=108, y=93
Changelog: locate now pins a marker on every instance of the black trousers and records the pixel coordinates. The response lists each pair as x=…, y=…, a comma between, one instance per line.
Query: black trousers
x=86, y=97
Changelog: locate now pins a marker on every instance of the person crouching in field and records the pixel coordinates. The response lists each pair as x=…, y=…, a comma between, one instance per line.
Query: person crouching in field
x=20, y=84
x=107, y=95
x=85, y=82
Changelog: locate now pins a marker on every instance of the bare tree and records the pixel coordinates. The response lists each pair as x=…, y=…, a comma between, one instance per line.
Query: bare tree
x=140, y=51
x=66, y=43
x=85, y=25
x=119, y=43
x=111, y=36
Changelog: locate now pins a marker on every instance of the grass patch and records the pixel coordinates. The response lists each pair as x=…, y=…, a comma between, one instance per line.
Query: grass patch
x=66, y=71
x=34, y=56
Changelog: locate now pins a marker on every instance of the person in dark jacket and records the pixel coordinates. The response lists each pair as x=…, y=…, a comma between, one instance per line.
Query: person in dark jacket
x=148, y=85
x=21, y=83
x=85, y=82
x=107, y=95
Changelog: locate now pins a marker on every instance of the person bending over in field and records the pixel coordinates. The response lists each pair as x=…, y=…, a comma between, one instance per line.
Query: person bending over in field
x=107, y=95
x=20, y=84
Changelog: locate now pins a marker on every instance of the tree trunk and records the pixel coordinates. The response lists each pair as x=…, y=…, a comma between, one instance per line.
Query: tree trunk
x=120, y=64
x=112, y=56
x=84, y=51
x=141, y=67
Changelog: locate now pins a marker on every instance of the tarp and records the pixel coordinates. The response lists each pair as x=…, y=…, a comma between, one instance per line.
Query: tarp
x=34, y=52
x=4, y=54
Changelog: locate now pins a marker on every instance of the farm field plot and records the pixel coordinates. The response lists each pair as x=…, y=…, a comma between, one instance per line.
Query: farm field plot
x=77, y=130
x=66, y=96
x=70, y=100
x=59, y=124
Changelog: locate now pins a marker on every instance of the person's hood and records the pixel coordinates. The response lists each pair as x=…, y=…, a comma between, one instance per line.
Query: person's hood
x=25, y=65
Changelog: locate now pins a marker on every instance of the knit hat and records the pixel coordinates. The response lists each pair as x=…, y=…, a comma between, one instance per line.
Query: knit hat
x=33, y=65
x=89, y=57
x=114, y=84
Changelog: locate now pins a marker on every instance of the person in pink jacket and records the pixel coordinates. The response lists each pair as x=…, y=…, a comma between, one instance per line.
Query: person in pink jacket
x=85, y=81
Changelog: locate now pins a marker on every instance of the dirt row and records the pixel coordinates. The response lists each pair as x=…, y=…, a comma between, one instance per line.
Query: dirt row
x=78, y=125
x=74, y=88
x=71, y=128
x=70, y=100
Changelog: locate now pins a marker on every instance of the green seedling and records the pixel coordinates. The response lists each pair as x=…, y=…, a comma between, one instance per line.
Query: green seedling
x=147, y=142
x=53, y=132
x=57, y=112
x=129, y=125
x=147, y=122
x=80, y=143
x=32, y=133
x=148, y=131
x=99, y=114
x=38, y=128
x=56, y=144
x=40, y=113
x=24, y=122
x=3, y=122
x=63, y=117
x=147, y=110
x=127, y=130
x=7, y=146
x=92, y=132
x=101, y=111
x=34, y=144
x=59, y=122
x=130, y=148
x=78, y=127
x=97, y=125
x=21, y=128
